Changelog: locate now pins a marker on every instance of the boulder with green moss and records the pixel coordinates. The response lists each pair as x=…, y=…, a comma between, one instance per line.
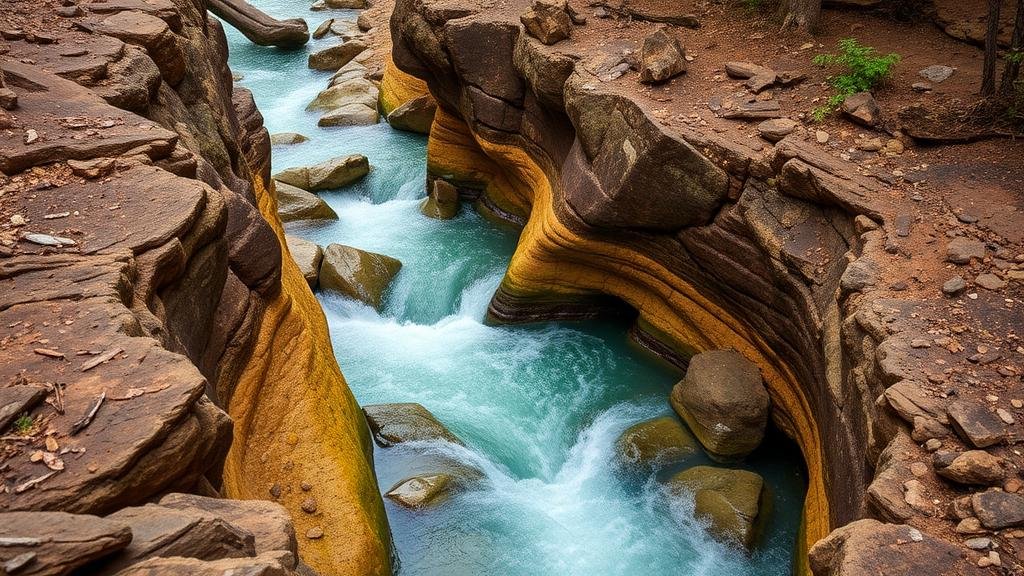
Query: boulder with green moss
x=357, y=273
x=734, y=503
x=659, y=442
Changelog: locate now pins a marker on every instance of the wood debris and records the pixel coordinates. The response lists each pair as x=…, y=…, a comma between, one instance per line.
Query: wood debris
x=49, y=353
x=103, y=357
x=84, y=421
x=30, y=484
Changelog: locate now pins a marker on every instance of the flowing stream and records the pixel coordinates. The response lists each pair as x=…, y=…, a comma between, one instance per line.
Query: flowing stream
x=539, y=407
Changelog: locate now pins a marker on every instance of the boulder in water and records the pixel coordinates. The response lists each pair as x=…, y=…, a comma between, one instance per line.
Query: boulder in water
x=351, y=91
x=724, y=402
x=416, y=115
x=308, y=256
x=334, y=173
x=357, y=274
x=336, y=56
x=347, y=4
x=350, y=115
x=733, y=502
x=287, y=138
x=442, y=202
x=421, y=491
x=296, y=204
x=405, y=422
x=658, y=442
x=351, y=71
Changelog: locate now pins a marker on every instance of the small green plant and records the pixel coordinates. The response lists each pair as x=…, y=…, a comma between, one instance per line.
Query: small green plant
x=863, y=70
x=23, y=424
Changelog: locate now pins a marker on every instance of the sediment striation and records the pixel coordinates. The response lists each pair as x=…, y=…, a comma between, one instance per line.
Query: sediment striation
x=712, y=241
x=156, y=336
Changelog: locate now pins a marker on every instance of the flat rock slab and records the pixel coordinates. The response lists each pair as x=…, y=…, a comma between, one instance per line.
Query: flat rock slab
x=871, y=547
x=60, y=542
x=998, y=510
x=71, y=123
x=976, y=424
x=275, y=563
x=268, y=522
x=405, y=422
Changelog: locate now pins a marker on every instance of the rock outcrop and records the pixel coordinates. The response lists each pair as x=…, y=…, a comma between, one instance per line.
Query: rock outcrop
x=743, y=246
x=155, y=338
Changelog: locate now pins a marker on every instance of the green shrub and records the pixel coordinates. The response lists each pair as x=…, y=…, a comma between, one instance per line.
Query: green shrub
x=23, y=424
x=862, y=71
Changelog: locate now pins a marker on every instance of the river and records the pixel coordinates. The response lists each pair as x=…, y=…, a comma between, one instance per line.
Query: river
x=539, y=407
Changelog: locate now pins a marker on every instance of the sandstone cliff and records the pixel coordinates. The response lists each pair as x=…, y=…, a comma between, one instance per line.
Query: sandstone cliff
x=713, y=240
x=164, y=341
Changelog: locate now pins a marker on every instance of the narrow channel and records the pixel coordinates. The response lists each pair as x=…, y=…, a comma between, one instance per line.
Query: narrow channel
x=539, y=407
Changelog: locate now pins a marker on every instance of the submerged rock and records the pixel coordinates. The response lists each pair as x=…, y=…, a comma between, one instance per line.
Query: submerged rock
x=405, y=422
x=308, y=256
x=421, y=491
x=724, y=402
x=661, y=58
x=286, y=138
x=334, y=173
x=296, y=204
x=733, y=502
x=356, y=273
x=661, y=441
x=416, y=115
x=442, y=202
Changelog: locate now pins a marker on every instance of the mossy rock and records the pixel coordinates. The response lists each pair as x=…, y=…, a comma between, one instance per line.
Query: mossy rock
x=405, y=422
x=659, y=442
x=357, y=273
x=734, y=503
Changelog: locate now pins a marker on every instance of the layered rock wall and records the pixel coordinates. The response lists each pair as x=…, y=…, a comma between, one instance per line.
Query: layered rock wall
x=175, y=343
x=714, y=243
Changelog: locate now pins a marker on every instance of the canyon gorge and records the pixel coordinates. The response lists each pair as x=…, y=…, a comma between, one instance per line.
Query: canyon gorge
x=610, y=299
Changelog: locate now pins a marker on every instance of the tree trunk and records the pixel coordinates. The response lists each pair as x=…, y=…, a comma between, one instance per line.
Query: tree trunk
x=1012, y=68
x=800, y=14
x=988, y=75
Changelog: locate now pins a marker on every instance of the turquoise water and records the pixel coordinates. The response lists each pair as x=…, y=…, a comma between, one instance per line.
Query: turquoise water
x=539, y=407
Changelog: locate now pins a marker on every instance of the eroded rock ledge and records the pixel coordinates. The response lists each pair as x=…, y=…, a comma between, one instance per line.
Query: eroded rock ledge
x=156, y=336
x=714, y=242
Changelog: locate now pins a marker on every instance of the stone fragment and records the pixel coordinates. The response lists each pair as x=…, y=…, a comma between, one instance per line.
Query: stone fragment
x=733, y=502
x=928, y=428
x=862, y=108
x=442, y=202
x=821, y=137
x=954, y=286
x=961, y=250
x=777, y=129
x=547, y=21
x=335, y=57
x=745, y=70
x=91, y=169
x=662, y=57
x=974, y=467
x=8, y=99
x=869, y=547
x=416, y=115
x=308, y=256
x=286, y=138
x=309, y=505
x=974, y=423
x=970, y=525
x=936, y=73
x=315, y=533
x=268, y=522
x=421, y=491
x=723, y=400
x=347, y=4
x=18, y=400
x=990, y=281
x=998, y=510
x=160, y=531
x=933, y=444
x=659, y=442
x=333, y=173
x=405, y=422
x=980, y=543
x=358, y=274
x=758, y=110
x=294, y=203
x=61, y=542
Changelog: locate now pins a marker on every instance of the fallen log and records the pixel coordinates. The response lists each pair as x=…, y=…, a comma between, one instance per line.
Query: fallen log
x=258, y=26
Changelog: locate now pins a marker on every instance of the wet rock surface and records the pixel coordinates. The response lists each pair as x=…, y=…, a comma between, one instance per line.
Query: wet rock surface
x=734, y=502
x=405, y=422
x=358, y=274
